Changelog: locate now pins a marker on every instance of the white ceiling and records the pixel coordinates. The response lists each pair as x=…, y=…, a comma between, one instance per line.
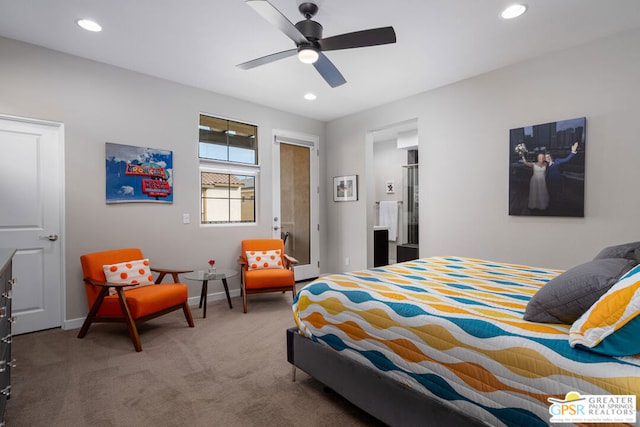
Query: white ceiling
x=199, y=42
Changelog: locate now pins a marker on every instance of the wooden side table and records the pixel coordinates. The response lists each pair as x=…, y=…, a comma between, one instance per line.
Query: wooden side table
x=204, y=277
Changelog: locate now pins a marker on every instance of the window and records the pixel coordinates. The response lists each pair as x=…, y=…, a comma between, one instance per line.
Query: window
x=228, y=141
x=228, y=171
x=227, y=198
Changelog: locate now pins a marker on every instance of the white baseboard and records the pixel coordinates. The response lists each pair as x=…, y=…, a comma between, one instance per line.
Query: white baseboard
x=72, y=323
x=193, y=302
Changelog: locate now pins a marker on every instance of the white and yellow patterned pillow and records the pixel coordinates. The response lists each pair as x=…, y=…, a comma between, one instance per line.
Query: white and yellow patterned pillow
x=135, y=273
x=612, y=324
x=258, y=260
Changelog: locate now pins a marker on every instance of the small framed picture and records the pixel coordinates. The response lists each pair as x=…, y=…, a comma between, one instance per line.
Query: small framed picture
x=390, y=187
x=345, y=188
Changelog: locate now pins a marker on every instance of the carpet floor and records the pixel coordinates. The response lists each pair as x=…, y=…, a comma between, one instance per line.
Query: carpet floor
x=230, y=370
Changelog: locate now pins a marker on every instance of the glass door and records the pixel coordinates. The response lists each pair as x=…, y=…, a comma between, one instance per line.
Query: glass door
x=296, y=204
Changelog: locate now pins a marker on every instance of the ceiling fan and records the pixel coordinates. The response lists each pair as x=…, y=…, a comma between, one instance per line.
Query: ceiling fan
x=307, y=35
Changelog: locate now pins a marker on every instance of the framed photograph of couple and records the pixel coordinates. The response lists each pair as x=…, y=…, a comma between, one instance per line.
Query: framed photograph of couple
x=345, y=188
x=547, y=169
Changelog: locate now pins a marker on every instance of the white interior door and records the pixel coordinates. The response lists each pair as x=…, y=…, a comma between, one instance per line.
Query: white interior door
x=32, y=194
x=295, y=200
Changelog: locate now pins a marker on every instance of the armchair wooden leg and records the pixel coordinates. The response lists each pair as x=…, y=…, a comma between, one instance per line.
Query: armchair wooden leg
x=187, y=314
x=131, y=325
x=161, y=277
x=244, y=298
x=92, y=313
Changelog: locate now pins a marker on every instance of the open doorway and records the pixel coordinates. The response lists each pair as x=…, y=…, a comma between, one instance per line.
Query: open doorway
x=393, y=188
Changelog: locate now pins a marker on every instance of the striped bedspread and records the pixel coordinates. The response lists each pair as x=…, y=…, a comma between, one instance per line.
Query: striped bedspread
x=452, y=328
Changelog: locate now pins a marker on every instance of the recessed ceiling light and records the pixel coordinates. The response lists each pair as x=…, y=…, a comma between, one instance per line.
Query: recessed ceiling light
x=310, y=96
x=513, y=11
x=89, y=25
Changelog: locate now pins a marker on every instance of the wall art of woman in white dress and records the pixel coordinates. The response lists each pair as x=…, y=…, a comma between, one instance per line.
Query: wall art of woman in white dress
x=538, y=193
x=561, y=192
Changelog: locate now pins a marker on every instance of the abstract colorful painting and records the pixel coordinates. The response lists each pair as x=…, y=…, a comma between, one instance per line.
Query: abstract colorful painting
x=138, y=174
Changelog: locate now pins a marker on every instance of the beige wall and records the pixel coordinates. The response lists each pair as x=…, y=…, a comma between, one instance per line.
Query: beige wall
x=100, y=103
x=464, y=158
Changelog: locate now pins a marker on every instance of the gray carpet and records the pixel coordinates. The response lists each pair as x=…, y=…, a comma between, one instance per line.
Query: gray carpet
x=230, y=370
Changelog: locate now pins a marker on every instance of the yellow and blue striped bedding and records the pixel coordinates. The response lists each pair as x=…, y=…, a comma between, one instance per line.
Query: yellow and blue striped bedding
x=452, y=328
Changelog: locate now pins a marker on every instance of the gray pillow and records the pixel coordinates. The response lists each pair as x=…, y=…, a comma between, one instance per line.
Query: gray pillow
x=626, y=250
x=564, y=298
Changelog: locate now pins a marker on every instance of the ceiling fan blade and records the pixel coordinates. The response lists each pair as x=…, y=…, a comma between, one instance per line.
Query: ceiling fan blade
x=267, y=59
x=364, y=38
x=277, y=19
x=328, y=71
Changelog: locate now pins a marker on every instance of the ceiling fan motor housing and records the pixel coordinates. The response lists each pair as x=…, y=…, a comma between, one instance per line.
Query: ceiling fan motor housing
x=310, y=29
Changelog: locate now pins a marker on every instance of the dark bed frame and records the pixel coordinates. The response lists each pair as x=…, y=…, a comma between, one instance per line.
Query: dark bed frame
x=390, y=401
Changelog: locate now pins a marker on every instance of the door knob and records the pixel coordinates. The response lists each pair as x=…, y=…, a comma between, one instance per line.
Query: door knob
x=276, y=228
x=51, y=237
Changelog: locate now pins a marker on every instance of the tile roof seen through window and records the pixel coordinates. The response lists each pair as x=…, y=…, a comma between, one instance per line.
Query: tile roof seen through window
x=210, y=179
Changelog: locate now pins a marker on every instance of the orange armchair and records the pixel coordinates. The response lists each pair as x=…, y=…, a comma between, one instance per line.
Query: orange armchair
x=256, y=278
x=133, y=305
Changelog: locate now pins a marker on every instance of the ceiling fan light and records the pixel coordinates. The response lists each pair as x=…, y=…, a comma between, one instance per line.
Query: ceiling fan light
x=308, y=55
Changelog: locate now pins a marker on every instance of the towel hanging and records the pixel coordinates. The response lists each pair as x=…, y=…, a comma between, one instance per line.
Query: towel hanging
x=388, y=217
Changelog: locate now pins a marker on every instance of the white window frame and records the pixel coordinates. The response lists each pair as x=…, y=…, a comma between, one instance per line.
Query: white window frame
x=228, y=168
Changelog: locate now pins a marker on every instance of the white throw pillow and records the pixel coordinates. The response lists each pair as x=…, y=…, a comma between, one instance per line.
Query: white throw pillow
x=259, y=260
x=135, y=273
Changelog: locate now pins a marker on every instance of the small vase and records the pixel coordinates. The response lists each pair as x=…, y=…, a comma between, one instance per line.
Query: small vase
x=212, y=270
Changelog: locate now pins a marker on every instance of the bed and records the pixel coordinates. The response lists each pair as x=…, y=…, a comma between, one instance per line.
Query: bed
x=442, y=341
